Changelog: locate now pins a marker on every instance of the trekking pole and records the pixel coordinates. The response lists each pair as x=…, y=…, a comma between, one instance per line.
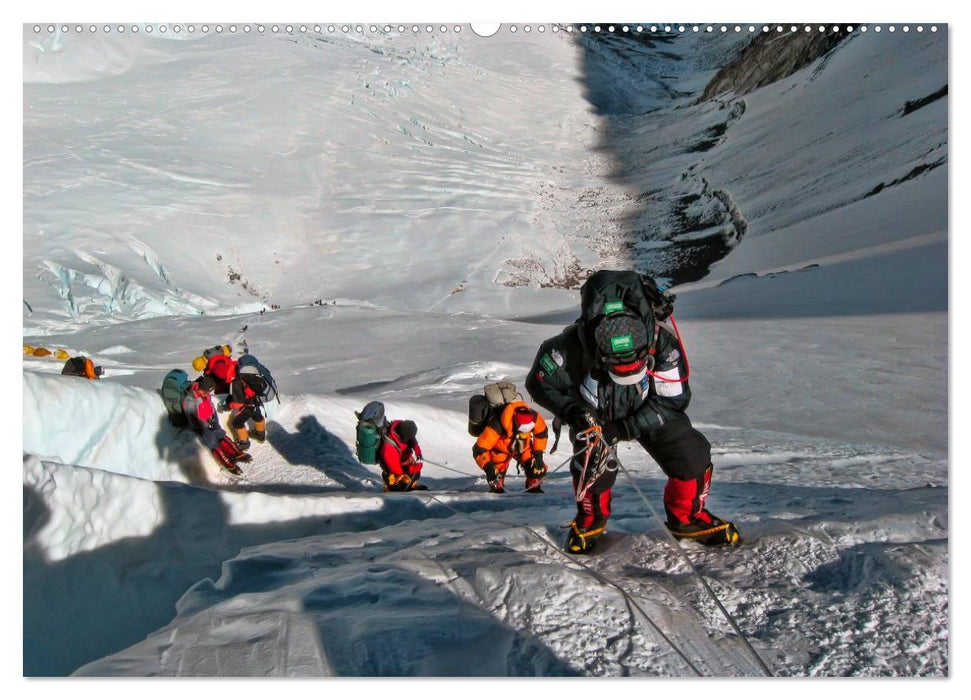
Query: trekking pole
x=694, y=569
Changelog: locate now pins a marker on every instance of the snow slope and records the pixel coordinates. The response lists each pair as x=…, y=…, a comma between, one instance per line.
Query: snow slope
x=356, y=182
x=820, y=517
x=394, y=148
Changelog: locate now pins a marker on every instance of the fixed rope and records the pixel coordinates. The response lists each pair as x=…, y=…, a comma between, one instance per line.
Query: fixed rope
x=442, y=466
x=694, y=569
x=607, y=581
x=597, y=575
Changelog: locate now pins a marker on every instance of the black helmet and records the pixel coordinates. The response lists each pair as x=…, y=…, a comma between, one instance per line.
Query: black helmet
x=407, y=430
x=623, y=346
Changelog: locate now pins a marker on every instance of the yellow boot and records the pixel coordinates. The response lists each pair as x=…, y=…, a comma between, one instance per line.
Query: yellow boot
x=259, y=431
x=242, y=438
x=240, y=435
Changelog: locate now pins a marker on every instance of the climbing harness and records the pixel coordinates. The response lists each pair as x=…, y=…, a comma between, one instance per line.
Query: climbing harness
x=597, y=459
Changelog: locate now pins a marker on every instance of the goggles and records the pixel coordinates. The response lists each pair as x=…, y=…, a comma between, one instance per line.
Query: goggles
x=629, y=368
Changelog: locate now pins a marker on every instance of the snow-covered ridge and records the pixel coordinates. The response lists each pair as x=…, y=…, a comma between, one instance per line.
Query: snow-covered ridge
x=770, y=58
x=693, y=176
x=125, y=430
x=716, y=165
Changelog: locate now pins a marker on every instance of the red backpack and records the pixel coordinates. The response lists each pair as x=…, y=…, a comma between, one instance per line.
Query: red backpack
x=221, y=368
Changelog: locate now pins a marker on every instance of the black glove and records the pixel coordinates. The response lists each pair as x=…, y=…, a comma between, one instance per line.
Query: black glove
x=535, y=467
x=490, y=472
x=614, y=431
x=580, y=417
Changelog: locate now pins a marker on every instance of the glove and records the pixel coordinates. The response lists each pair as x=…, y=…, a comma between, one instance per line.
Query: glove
x=614, y=431
x=490, y=472
x=401, y=481
x=580, y=417
x=535, y=467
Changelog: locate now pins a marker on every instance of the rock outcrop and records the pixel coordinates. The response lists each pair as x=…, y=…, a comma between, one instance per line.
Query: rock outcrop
x=770, y=57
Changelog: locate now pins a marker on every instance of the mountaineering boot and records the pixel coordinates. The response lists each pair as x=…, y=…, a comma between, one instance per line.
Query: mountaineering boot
x=497, y=485
x=224, y=461
x=259, y=431
x=240, y=435
x=582, y=541
x=234, y=453
x=242, y=439
x=707, y=529
x=533, y=485
x=684, y=503
x=397, y=482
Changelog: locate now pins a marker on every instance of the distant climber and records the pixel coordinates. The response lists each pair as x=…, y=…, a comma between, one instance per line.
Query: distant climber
x=200, y=411
x=246, y=390
x=82, y=366
x=400, y=457
x=518, y=433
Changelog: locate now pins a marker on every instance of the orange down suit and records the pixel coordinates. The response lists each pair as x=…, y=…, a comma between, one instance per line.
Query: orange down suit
x=498, y=443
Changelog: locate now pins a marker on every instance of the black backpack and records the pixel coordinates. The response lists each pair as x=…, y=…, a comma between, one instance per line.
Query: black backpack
x=78, y=367
x=257, y=377
x=74, y=367
x=623, y=291
x=485, y=406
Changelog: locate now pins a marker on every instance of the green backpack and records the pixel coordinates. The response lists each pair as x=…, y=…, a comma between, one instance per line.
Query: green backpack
x=174, y=386
x=371, y=428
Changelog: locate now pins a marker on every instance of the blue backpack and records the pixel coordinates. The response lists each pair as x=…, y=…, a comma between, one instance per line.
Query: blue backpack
x=174, y=386
x=249, y=366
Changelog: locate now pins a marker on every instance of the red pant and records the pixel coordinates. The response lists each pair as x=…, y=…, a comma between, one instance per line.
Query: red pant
x=683, y=454
x=593, y=508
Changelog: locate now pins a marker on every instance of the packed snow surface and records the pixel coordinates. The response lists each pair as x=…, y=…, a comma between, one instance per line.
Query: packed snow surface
x=405, y=218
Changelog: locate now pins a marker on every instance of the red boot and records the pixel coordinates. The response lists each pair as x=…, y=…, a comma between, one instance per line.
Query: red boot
x=232, y=452
x=224, y=460
x=684, y=503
